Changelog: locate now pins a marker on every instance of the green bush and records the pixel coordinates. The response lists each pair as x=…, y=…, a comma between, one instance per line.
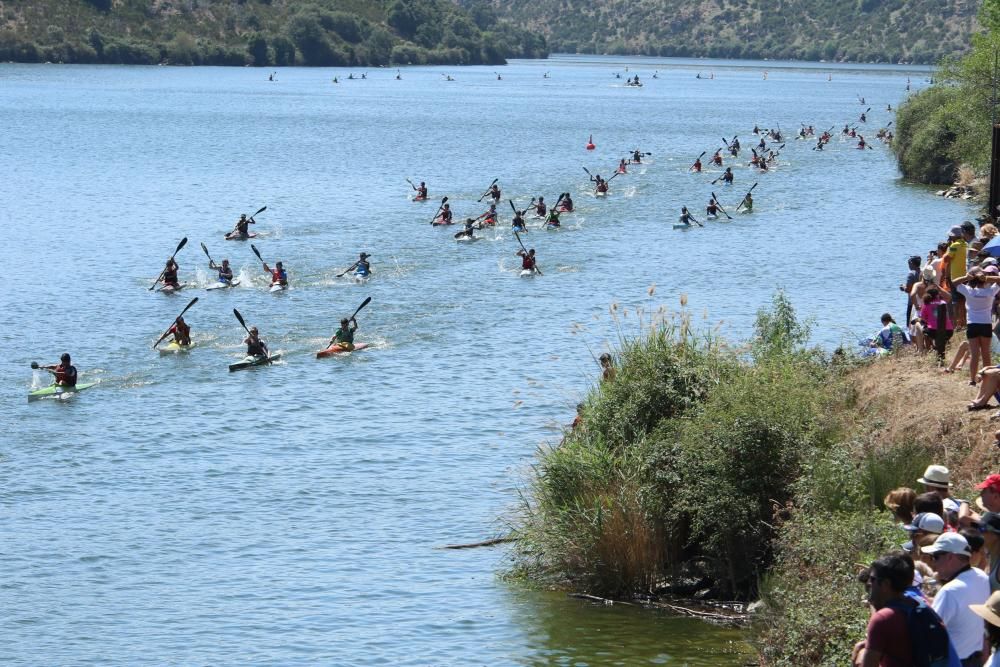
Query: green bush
x=926, y=131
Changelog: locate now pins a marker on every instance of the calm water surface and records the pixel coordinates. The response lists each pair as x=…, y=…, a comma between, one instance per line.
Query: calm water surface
x=180, y=514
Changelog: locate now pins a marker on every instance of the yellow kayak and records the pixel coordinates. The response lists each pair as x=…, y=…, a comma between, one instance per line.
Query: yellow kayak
x=174, y=348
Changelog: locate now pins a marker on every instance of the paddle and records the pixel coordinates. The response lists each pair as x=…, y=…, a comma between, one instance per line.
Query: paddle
x=179, y=246
x=205, y=249
x=717, y=203
x=612, y=177
x=240, y=318
x=488, y=189
x=518, y=236
x=444, y=200
x=257, y=252
x=363, y=304
x=692, y=165
x=691, y=217
x=167, y=332
x=411, y=183
x=351, y=267
x=250, y=219
x=588, y=173
x=745, y=197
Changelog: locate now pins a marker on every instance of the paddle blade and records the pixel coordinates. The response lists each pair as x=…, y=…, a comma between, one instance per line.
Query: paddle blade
x=34, y=365
x=240, y=318
x=256, y=252
x=363, y=304
x=181, y=245
x=512, y=207
x=193, y=301
x=260, y=210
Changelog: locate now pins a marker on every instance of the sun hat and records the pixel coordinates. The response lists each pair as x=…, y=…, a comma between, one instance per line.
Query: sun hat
x=991, y=270
x=928, y=273
x=989, y=261
x=927, y=522
x=989, y=522
x=990, y=611
x=936, y=476
x=950, y=543
x=955, y=231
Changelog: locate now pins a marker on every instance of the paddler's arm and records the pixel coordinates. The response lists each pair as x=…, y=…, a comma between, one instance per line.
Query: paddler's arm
x=355, y=327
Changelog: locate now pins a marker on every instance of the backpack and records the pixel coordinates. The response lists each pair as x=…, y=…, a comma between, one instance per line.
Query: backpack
x=929, y=640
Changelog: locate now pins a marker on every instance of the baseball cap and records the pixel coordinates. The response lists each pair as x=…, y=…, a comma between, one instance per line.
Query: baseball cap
x=951, y=543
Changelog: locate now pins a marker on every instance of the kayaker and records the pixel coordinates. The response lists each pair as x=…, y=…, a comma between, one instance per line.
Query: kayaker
x=622, y=166
x=552, y=220
x=527, y=259
x=170, y=273
x=242, y=229
x=421, y=191
x=278, y=274
x=518, y=223
x=64, y=371
x=181, y=332
x=344, y=337
x=727, y=177
x=762, y=145
x=748, y=202
x=686, y=217
x=696, y=167
x=540, y=207
x=602, y=185
x=255, y=346
x=444, y=218
x=489, y=218
x=494, y=192
x=567, y=203
x=637, y=156
x=225, y=271
x=735, y=145
x=362, y=267
x=712, y=209
x=717, y=158
x=468, y=232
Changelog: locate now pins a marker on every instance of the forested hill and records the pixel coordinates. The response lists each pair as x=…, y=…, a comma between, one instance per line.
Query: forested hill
x=920, y=31
x=257, y=32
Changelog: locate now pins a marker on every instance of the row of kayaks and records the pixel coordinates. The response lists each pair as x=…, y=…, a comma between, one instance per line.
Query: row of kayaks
x=168, y=289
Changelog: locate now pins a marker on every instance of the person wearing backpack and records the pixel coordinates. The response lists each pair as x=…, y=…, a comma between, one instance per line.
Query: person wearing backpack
x=965, y=585
x=903, y=631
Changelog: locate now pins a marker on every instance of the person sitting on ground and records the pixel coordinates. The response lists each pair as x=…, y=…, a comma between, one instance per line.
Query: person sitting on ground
x=989, y=384
x=990, y=613
x=936, y=480
x=892, y=337
x=979, y=290
x=900, y=503
x=964, y=586
x=958, y=361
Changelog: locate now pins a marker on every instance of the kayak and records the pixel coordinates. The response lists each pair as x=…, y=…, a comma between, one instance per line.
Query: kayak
x=173, y=348
x=361, y=278
x=55, y=391
x=563, y=209
x=681, y=225
x=336, y=348
x=420, y=198
x=467, y=239
x=527, y=273
x=170, y=289
x=277, y=288
x=251, y=362
x=222, y=285
x=439, y=223
x=237, y=237
x=601, y=194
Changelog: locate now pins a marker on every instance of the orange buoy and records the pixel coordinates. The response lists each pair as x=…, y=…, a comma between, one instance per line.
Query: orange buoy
x=590, y=143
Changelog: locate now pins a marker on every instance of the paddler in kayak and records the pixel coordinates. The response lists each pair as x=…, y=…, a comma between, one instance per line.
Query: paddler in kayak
x=567, y=203
x=727, y=177
x=255, y=346
x=552, y=220
x=489, y=218
x=637, y=156
x=64, y=371
x=225, y=271
x=712, y=210
x=602, y=185
x=748, y=203
x=518, y=224
x=717, y=158
x=278, y=274
x=696, y=167
x=540, y=208
x=494, y=192
x=686, y=217
x=181, y=331
x=622, y=166
x=344, y=337
x=421, y=191
x=242, y=229
x=170, y=274
x=467, y=233
x=527, y=260
x=444, y=218
x=362, y=267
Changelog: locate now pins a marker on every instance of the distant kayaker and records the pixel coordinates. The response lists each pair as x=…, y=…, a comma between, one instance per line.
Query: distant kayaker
x=494, y=192
x=64, y=371
x=444, y=217
x=552, y=220
x=748, y=202
x=717, y=158
x=696, y=167
x=518, y=222
x=622, y=166
x=181, y=331
x=540, y=208
x=421, y=191
x=170, y=273
x=712, y=209
x=527, y=259
x=362, y=267
x=469, y=230
x=567, y=203
x=344, y=337
x=735, y=145
x=255, y=346
x=225, y=271
x=489, y=218
x=727, y=177
x=637, y=156
x=242, y=229
x=686, y=217
x=278, y=274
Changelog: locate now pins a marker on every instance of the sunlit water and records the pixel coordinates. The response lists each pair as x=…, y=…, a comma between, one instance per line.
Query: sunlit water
x=180, y=514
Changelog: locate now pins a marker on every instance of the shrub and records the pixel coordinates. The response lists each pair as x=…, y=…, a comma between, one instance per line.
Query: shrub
x=257, y=49
x=926, y=130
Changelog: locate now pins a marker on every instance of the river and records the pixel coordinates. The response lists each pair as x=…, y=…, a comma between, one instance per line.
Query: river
x=181, y=514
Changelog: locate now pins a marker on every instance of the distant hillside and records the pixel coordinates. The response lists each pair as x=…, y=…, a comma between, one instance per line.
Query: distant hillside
x=921, y=31
x=256, y=32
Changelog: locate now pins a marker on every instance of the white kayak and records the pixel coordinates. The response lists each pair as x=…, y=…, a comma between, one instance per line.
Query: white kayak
x=278, y=288
x=527, y=273
x=467, y=239
x=361, y=279
x=222, y=285
x=601, y=194
x=175, y=348
x=253, y=362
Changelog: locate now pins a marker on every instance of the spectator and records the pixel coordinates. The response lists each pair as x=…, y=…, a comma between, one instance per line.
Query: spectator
x=924, y=530
x=989, y=524
x=979, y=290
x=989, y=384
x=939, y=327
x=979, y=558
x=607, y=368
x=892, y=337
x=900, y=503
x=912, y=278
x=964, y=586
x=936, y=480
x=990, y=612
x=928, y=502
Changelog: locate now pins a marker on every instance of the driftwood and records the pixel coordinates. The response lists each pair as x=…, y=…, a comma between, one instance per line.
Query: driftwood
x=594, y=598
x=486, y=543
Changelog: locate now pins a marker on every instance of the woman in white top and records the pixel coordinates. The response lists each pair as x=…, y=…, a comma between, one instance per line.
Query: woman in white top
x=979, y=290
x=990, y=612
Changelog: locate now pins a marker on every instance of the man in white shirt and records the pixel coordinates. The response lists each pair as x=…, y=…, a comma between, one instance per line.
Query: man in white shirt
x=965, y=585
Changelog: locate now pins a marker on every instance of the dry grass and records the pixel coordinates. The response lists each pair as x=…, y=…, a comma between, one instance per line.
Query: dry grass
x=916, y=403
x=965, y=176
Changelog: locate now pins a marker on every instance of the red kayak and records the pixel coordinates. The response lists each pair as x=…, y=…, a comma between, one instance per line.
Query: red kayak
x=440, y=223
x=420, y=199
x=337, y=348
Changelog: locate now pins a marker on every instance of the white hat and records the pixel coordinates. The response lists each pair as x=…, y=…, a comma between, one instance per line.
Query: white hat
x=927, y=522
x=936, y=476
x=952, y=543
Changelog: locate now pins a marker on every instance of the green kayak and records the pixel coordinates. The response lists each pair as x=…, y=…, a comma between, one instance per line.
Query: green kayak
x=55, y=391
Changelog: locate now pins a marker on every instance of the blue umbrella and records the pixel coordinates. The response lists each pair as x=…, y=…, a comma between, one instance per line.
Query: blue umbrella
x=993, y=247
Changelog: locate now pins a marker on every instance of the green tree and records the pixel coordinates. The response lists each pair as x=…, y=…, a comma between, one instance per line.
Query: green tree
x=257, y=49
